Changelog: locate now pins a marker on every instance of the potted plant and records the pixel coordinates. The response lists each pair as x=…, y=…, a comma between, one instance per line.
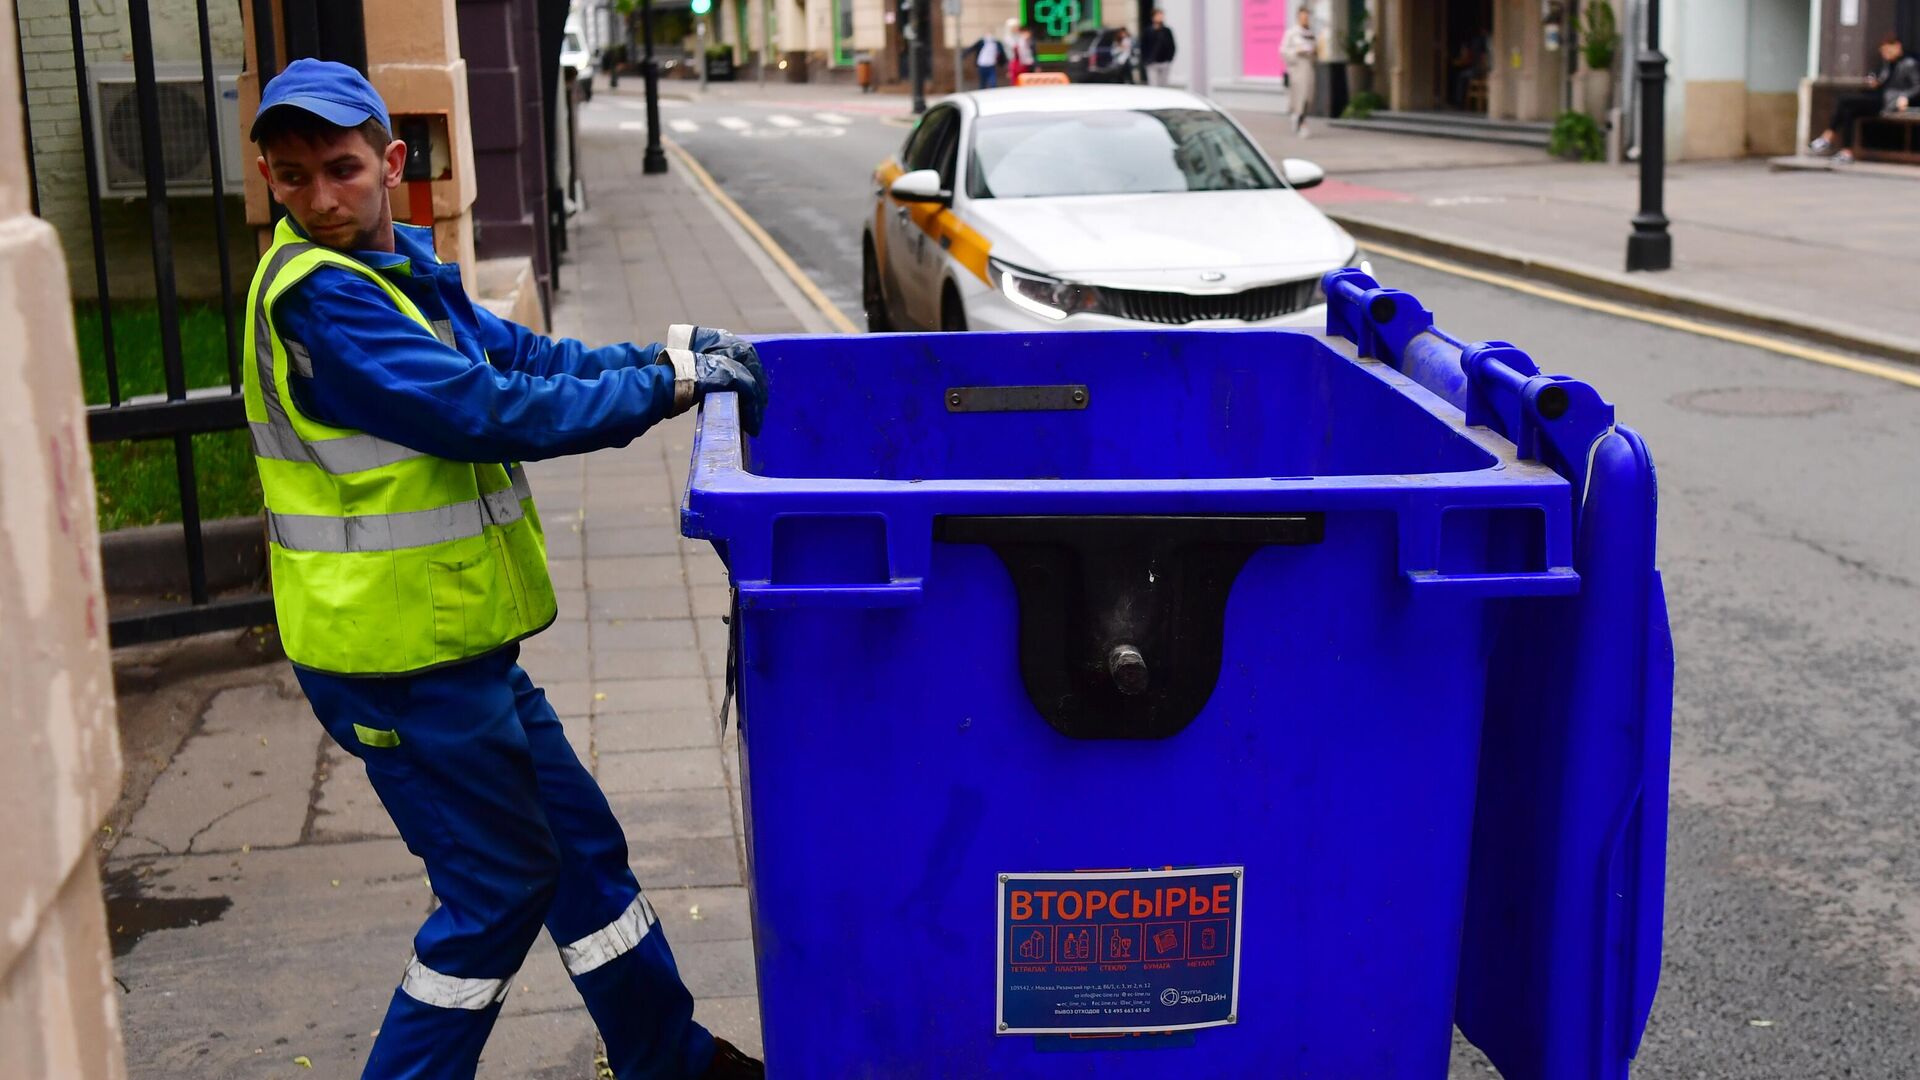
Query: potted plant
x=1359, y=48
x=1599, y=42
x=1576, y=137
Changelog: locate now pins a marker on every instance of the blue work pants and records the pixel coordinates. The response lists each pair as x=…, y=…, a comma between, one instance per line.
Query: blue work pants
x=472, y=765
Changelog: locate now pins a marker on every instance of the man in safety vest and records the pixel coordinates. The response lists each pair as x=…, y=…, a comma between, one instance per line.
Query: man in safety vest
x=387, y=412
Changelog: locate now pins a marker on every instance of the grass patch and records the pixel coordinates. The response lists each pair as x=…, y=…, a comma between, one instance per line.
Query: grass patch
x=136, y=482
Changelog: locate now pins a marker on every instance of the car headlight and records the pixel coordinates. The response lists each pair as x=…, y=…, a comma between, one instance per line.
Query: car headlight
x=1047, y=297
x=1320, y=284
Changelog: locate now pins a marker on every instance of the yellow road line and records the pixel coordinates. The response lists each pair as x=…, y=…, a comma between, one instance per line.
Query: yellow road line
x=767, y=243
x=1893, y=373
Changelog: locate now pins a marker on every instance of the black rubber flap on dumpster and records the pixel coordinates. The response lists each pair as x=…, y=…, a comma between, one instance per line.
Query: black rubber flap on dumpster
x=1122, y=619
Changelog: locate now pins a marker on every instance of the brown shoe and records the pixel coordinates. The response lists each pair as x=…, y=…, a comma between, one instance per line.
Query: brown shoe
x=730, y=1064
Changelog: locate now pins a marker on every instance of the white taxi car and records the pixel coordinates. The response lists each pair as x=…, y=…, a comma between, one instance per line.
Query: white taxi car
x=1070, y=207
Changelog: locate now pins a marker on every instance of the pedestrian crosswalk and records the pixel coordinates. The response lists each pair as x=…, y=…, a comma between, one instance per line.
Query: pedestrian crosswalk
x=754, y=120
x=763, y=126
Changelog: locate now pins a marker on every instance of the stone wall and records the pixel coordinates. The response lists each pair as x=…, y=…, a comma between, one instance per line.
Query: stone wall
x=59, y=1010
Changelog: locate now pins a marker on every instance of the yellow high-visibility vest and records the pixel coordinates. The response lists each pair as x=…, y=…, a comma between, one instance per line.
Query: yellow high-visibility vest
x=385, y=560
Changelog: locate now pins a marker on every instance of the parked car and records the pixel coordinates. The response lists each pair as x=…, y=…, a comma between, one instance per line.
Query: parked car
x=574, y=55
x=1064, y=207
x=1090, y=59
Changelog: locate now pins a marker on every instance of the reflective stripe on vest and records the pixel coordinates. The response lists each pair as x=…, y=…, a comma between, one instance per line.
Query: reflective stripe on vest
x=394, y=532
x=277, y=440
x=351, y=454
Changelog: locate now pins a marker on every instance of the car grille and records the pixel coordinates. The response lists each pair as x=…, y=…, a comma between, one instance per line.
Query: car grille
x=1177, y=309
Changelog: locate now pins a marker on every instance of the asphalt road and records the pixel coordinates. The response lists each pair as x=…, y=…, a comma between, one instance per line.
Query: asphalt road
x=1789, y=516
x=804, y=171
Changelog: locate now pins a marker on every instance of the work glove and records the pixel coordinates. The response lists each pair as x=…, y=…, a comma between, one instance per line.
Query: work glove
x=704, y=338
x=725, y=365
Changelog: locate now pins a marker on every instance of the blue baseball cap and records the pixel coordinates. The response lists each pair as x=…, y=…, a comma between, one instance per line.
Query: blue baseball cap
x=333, y=92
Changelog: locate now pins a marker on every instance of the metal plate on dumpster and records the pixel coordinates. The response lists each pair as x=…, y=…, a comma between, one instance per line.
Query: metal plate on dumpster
x=1017, y=398
x=1118, y=951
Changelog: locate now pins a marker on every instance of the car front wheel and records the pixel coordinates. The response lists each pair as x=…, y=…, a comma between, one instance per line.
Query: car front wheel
x=953, y=315
x=872, y=297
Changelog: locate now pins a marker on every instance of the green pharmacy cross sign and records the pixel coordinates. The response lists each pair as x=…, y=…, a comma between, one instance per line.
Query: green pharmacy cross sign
x=1056, y=19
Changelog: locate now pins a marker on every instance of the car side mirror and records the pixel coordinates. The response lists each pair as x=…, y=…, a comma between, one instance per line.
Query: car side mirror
x=921, y=186
x=1301, y=174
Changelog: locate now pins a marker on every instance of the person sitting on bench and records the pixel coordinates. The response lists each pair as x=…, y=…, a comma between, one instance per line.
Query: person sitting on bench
x=1894, y=88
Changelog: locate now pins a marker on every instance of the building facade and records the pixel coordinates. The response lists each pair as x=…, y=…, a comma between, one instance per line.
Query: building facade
x=1502, y=59
x=1745, y=77
x=1734, y=72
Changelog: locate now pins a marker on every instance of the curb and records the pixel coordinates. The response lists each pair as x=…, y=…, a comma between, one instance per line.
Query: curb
x=816, y=312
x=1623, y=288
x=153, y=558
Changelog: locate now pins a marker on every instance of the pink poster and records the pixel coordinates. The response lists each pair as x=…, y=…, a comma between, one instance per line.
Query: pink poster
x=1262, y=24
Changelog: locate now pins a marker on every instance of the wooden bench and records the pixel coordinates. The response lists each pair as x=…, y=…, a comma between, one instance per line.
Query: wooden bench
x=1894, y=137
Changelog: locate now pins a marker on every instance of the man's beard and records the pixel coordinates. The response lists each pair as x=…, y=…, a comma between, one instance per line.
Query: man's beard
x=361, y=240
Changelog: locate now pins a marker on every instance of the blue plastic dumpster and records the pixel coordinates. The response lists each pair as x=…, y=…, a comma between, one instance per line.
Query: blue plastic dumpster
x=1194, y=703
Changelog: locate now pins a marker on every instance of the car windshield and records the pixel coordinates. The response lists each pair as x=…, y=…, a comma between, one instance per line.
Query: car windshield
x=571, y=43
x=1111, y=152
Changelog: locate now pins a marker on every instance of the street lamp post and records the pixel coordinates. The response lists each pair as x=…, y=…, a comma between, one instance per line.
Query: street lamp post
x=655, y=159
x=1650, y=246
x=953, y=9
x=916, y=58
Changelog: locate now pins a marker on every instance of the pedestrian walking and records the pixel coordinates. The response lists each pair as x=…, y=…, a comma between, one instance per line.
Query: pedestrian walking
x=1893, y=88
x=1020, y=45
x=986, y=60
x=1157, y=49
x=387, y=412
x=1123, y=55
x=1300, y=48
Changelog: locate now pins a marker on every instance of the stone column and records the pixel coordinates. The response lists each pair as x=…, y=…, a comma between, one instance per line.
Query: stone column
x=413, y=59
x=59, y=1014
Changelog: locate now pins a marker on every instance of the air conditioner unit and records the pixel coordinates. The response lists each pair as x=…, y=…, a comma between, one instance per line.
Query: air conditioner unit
x=181, y=101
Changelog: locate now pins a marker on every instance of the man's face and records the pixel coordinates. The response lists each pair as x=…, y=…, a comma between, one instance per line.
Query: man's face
x=1890, y=51
x=335, y=186
x=1159, y=20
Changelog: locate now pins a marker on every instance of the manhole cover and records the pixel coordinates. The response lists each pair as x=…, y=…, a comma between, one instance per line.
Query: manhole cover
x=1761, y=401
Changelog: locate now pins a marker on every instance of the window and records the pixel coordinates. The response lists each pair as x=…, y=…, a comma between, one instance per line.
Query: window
x=1112, y=152
x=946, y=154
x=922, y=145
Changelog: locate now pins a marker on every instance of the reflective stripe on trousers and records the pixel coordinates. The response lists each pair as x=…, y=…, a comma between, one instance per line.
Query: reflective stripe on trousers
x=442, y=991
x=611, y=941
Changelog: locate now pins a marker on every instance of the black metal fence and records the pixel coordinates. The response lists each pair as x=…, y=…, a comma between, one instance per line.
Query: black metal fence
x=328, y=28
